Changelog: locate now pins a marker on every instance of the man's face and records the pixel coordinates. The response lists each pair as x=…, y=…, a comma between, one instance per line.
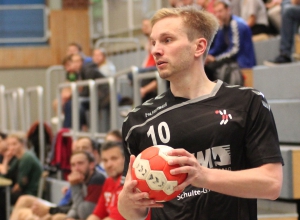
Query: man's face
x=222, y=13
x=98, y=57
x=79, y=163
x=83, y=144
x=76, y=62
x=171, y=48
x=14, y=145
x=3, y=145
x=72, y=50
x=113, y=161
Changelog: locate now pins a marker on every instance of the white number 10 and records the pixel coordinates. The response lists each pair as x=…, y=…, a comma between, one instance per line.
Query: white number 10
x=161, y=126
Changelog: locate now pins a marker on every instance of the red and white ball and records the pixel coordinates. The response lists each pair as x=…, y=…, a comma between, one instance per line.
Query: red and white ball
x=152, y=171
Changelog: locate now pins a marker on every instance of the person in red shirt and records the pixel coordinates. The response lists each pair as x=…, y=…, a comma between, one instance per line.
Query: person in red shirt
x=112, y=157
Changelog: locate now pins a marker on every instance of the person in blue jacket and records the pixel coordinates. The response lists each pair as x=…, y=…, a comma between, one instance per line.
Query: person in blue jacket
x=233, y=40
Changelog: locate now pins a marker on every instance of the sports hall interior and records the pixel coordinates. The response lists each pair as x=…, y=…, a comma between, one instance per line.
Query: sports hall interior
x=32, y=76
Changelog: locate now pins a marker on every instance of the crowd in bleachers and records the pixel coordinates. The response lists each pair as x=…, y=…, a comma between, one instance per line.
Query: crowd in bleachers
x=94, y=172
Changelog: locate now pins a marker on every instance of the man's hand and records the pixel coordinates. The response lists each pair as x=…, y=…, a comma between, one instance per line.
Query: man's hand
x=189, y=165
x=64, y=190
x=75, y=178
x=137, y=201
x=16, y=188
x=39, y=209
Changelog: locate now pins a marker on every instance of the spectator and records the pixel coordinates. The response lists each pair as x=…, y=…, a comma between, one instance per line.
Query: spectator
x=75, y=48
x=114, y=135
x=289, y=27
x=8, y=162
x=112, y=156
x=233, y=39
x=29, y=170
x=71, y=76
x=105, y=66
x=274, y=13
x=255, y=14
x=86, y=185
x=148, y=86
x=87, y=71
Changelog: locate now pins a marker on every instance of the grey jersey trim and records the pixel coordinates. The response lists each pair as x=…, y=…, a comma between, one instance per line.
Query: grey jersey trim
x=191, y=101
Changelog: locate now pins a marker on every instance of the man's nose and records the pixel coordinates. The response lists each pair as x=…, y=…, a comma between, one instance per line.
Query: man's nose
x=156, y=50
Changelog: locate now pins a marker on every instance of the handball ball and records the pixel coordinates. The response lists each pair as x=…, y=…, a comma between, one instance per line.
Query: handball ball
x=152, y=172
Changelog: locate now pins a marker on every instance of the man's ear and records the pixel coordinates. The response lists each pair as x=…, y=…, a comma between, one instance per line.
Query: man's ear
x=201, y=45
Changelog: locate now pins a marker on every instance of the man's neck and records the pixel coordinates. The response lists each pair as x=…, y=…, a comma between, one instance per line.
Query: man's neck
x=192, y=85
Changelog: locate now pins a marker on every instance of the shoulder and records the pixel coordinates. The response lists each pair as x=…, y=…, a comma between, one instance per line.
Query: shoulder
x=29, y=157
x=97, y=178
x=239, y=22
x=244, y=97
x=147, y=110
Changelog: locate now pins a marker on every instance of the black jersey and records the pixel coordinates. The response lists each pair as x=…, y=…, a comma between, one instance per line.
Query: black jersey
x=232, y=128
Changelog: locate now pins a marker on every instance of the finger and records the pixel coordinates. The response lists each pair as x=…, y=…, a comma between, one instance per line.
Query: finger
x=182, y=186
x=148, y=203
x=128, y=175
x=184, y=169
x=179, y=152
x=182, y=161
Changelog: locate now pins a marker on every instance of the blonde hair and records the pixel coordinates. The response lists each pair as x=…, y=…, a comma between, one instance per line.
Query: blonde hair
x=199, y=23
x=19, y=137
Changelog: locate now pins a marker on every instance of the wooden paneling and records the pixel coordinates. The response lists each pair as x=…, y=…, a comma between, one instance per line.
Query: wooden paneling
x=297, y=44
x=69, y=26
x=277, y=218
x=66, y=26
x=19, y=57
x=296, y=171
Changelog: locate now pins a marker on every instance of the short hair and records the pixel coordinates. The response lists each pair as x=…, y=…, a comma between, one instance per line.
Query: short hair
x=77, y=54
x=111, y=144
x=3, y=135
x=102, y=50
x=117, y=133
x=94, y=144
x=88, y=155
x=21, y=138
x=66, y=59
x=226, y=3
x=79, y=47
x=199, y=23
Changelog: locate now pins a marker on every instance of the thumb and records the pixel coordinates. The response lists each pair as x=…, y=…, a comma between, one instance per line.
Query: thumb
x=130, y=184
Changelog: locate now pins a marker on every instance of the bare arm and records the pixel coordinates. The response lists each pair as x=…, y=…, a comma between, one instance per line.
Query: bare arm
x=251, y=21
x=133, y=205
x=4, y=167
x=295, y=2
x=262, y=182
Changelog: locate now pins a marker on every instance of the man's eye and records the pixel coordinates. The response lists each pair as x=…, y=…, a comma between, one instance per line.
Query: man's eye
x=168, y=40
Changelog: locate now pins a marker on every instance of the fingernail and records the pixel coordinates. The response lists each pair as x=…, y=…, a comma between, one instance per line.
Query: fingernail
x=170, y=162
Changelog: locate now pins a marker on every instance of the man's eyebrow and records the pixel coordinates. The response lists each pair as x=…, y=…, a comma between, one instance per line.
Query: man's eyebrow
x=163, y=35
